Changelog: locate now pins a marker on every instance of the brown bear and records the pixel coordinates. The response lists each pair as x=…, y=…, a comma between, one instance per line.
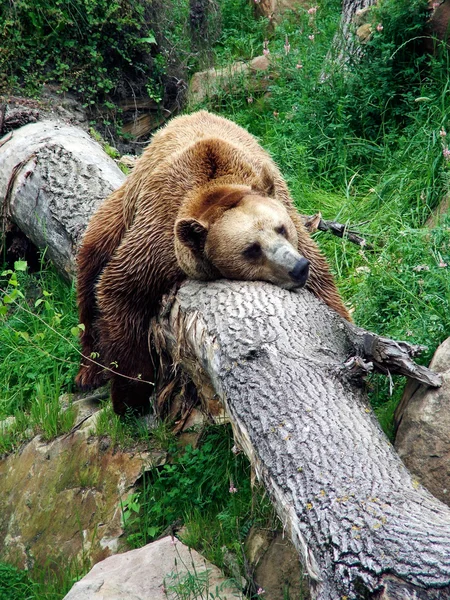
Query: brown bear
x=204, y=201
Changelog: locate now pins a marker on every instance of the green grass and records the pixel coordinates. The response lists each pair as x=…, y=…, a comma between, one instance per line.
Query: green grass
x=207, y=489
x=39, y=583
x=131, y=431
x=38, y=353
x=15, y=584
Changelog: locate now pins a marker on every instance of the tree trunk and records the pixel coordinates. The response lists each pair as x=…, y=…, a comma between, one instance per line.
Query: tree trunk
x=345, y=45
x=363, y=527
x=52, y=179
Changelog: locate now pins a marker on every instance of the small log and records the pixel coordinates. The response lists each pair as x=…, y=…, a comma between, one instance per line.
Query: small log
x=315, y=222
x=363, y=526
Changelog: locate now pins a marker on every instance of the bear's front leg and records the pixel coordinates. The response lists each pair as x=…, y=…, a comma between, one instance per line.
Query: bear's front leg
x=130, y=395
x=101, y=239
x=124, y=345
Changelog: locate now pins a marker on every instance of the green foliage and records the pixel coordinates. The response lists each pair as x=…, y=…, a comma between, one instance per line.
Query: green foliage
x=129, y=431
x=87, y=46
x=194, y=584
x=15, y=584
x=48, y=415
x=207, y=489
x=38, y=353
x=39, y=583
x=241, y=36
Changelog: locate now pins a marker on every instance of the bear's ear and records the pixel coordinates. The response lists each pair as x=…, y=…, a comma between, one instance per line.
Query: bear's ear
x=192, y=234
x=266, y=184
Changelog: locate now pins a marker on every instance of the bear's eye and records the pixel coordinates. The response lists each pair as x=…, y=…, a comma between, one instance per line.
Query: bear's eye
x=281, y=230
x=253, y=251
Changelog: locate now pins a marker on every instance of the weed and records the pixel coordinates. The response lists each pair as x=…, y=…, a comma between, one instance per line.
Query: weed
x=15, y=584
x=48, y=415
x=88, y=47
x=125, y=432
x=207, y=489
x=35, y=334
x=190, y=583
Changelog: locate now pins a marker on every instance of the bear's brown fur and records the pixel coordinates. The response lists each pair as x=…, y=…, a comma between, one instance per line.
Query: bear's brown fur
x=205, y=201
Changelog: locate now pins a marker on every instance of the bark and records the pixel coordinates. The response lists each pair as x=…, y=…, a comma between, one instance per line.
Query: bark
x=276, y=359
x=52, y=179
x=345, y=44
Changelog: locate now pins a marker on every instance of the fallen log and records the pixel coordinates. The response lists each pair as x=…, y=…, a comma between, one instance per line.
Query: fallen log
x=364, y=528
x=288, y=371
x=52, y=179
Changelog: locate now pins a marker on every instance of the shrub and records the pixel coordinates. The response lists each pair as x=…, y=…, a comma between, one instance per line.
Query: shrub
x=89, y=46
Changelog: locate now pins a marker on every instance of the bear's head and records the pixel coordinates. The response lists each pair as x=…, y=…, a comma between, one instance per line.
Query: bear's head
x=237, y=232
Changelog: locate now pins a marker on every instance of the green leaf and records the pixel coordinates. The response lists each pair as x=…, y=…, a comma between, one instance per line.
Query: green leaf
x=149, y=40
x=20, y=265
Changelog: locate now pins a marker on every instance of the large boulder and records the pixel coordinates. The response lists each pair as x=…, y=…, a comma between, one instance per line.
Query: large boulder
x=276, y=566
x=161, y=570
x=207, y=84
x=61, y=501
x=423, y=425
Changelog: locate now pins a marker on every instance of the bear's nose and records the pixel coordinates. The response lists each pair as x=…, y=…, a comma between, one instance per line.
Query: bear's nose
x=300, y=272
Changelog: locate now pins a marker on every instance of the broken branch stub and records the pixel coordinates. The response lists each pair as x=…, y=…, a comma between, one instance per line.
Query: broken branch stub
x=389, y=356
x=363, y=527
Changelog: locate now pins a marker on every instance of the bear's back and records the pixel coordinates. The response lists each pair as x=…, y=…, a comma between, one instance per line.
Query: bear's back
x=185, y=131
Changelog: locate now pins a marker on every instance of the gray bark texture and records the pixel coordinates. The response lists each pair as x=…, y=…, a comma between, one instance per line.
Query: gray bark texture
x=349, y=8
x=364, y=528
x=345, y=44
x=52, y=179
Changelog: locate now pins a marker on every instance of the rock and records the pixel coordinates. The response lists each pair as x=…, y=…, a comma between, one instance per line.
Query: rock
x=127, y=160
x=158, y=571
x=275, y=9
x=364, y=33
x=437, y=27
x=63, y=497
x=276, y=566
x=15, y=116
x=442, y=209
x=208, y=83
x=422, y=420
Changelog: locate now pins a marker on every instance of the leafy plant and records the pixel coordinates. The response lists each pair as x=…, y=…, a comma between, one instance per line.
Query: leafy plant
x=15, y=584
x=90, y=47
x=35, y=332
x=206, y=488
x=48, y=415
x=128, y=431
